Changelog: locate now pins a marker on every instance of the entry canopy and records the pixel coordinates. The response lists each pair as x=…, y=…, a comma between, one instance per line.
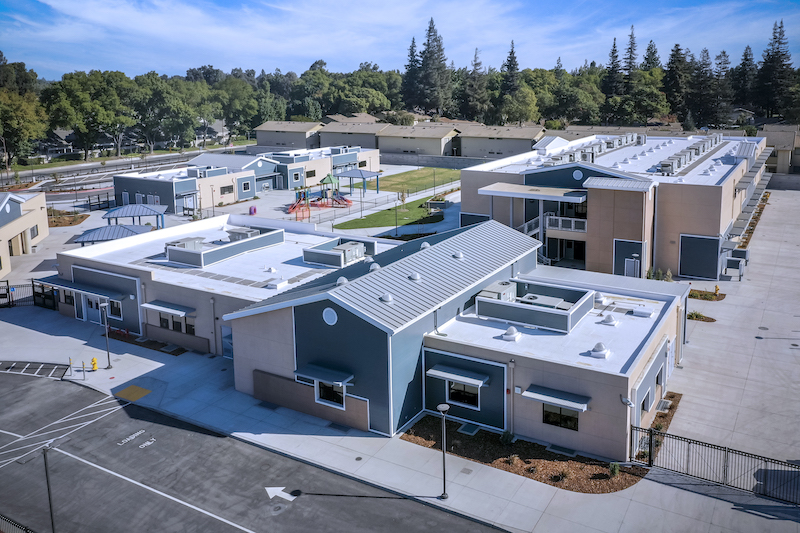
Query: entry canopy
x=532, y=192
x=169, y=308
x=464, y=377
x=557, y=398
x=58, y=283
x=325, y=375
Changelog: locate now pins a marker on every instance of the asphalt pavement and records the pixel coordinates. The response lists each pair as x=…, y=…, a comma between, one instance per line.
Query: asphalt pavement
x=115, y=466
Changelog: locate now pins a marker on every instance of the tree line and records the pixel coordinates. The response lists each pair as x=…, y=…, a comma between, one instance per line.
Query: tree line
x=629, y=89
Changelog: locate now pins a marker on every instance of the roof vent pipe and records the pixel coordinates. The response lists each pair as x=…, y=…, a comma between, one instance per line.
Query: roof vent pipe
x=458, y=255
x=341, y=281
x=600, y=351
x=386, y=298
x=512, y=334
x=374, y=266
x=414, y=276
x=609, y=320
x=424, y=245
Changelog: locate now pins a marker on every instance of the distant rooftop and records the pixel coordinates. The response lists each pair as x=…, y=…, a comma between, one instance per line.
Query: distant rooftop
x=289, y=126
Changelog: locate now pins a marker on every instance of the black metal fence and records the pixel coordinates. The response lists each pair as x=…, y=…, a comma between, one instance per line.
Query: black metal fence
x=9, y=526
x=733, y=468
x=27, y=294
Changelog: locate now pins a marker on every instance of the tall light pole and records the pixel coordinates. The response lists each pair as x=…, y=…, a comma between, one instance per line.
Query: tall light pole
x=443, y=408
x=49, y=493
x=104, y=309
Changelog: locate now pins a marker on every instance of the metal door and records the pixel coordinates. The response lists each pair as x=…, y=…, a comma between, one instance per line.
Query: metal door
x=93, y=309
x=632, y=268
x=126, y=198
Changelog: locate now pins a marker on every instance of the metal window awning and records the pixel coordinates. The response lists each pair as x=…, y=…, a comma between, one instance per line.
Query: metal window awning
x=169, y=308
x=557, y=398
x=183, y=194
x=58, y=283
x=727, y=246
x=325, y=375
x=531, y=192
x=465, y=377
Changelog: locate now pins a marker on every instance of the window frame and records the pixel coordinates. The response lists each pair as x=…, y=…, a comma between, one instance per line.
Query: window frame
x=69, y=297
x=162, y=317
x=448, y=386
x=245, y=186
x=34, y=231
x=226, y=189
x=318, y=399
x=187, y=324
x=119, y=308
x=362, y=164
x=561, y=416
x=311, y=173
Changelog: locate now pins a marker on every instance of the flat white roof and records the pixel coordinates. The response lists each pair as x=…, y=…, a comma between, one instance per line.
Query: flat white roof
x=711, y=168
x=243, y=276
x=625, y=340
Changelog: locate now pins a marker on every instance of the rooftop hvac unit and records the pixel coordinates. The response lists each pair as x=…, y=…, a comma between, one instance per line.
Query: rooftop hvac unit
x=240, y=234
x=641, y=139
x=188, y=243
x=352, y=251
x=668, y=167
x=505, y=291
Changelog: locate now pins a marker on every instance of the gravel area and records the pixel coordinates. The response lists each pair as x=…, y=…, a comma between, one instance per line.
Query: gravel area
x=534, y=461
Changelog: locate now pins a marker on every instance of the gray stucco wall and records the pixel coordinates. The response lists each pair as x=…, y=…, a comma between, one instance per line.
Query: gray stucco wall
x=350, y=345
x=163, y=189
x=14, y=212
x=393, y=158
x=561, y=176
x=111, y=282
x=492, y=395
x=241, y=193
x=523, y=315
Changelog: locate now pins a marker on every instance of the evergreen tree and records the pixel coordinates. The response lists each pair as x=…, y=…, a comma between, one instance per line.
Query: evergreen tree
x=613, y=82
x=651, y=59
x=477, y=97
x=435, y=82
x=722, y=86
x=630, y=66
x=676, y=82
x=702, y=91
x=410, y=86
x=776, y=76
x=510, y=71
x=743, y=79
x=558, y=70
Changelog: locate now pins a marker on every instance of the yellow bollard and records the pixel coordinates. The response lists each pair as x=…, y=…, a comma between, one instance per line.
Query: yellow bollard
x=716, y=290
x=94, y=364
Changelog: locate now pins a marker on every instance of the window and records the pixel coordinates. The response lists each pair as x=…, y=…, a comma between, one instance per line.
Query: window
x=464, y=395
x=69, y=297
x=331, y=394
x=177, y=324
x=311, y=173
x=304, y=381
x=114, y=309
x=164, y=320
x=362, y=164
x=245, y=186
x=296, y=176
x=558, y=416
x=646, y=403
x=189, y=326
x=228, y=189
x=35, y=231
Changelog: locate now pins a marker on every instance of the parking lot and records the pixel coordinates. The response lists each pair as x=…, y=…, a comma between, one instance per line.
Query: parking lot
x=119, y=467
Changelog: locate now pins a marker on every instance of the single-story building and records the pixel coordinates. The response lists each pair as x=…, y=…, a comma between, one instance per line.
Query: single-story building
x=497, y=142
x=420, y=139
x=23, y=224
x=351, y=134
x=289, y=134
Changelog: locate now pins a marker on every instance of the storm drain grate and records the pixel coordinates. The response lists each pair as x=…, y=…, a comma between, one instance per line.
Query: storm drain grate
x=664, y=405
x=469, y=429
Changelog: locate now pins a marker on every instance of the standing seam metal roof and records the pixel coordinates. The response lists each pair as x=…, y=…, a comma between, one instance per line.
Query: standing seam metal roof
x=596, y=182
x=486, y=248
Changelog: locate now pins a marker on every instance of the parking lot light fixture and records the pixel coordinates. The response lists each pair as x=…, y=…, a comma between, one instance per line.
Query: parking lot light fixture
x=443, y=408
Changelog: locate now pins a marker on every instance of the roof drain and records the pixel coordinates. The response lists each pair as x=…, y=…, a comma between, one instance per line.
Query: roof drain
x=436, y=323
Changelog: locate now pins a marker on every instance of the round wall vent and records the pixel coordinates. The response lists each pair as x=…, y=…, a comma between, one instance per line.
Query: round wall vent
x=577, y=175
x=329, y=316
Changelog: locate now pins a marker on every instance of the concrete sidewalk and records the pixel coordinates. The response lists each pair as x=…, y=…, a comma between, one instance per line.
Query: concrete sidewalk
x=199, y=389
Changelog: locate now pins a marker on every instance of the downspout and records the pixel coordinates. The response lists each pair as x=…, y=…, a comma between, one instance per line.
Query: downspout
x=512, y=393
x=644, y=232
x=214, y=324
x=655, y=223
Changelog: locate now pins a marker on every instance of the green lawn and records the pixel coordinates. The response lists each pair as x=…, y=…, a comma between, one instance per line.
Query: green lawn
x=417, y=180
x=411, y=213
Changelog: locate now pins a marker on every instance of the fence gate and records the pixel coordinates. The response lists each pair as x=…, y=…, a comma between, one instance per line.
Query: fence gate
x=15, y=295
x=44, y=296
x=734, y=468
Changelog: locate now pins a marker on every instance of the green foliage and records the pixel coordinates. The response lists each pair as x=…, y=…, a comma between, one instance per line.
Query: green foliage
x=695, y=315
x=22, y=119
x=506, y=438
x=649, y=273
x=553, y=124
x=613, y=469
x=668, y=275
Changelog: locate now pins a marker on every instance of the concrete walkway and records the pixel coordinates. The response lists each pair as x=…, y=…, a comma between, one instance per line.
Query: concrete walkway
x=199, y=389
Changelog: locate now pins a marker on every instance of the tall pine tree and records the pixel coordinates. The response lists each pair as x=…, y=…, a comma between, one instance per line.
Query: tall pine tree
x=722, y=86
x=613, y=82
x=775, y=77
x=410, y=85
x=630, y=65
x=676, y=82
x=434, y=83
x=651, y=59
x=510, y=71
x=702, y=94
x=477, y=97
x=743, y=79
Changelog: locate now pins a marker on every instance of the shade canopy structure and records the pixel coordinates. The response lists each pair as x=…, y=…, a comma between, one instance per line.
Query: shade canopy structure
x=110, y=233
x=531, y=192
x=363, y=175
x=58, y=283
x=137, y=211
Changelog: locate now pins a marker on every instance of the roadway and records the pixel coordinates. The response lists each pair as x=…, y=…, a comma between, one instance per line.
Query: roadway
x=115, y=466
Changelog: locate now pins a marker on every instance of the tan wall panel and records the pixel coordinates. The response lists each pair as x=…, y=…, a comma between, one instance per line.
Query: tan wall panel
x=263, y=342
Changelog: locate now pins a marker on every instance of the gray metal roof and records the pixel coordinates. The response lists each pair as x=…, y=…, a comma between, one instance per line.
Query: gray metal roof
x=110, y=233
x=137, y=210
x=357, y=173
x=230, y=161
x=617, y=184
x=486, y=248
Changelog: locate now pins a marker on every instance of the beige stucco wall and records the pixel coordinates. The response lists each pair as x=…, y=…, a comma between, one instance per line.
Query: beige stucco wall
x=373, y=159
x=320, y=167
x=364, y=140
x=18, y=231
x=289, y=140
x=493, y=148
x=263, y=342
x=416, y=145
x=472, y=202
x=615, y=215
x=204, y=185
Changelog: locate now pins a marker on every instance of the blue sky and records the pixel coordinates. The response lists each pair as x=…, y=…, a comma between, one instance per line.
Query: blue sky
x=169, y=36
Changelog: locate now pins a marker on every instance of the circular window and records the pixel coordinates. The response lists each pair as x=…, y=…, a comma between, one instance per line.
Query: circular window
x=260, y=163
x=577, y=175
x=8, y=208
x=329, y=316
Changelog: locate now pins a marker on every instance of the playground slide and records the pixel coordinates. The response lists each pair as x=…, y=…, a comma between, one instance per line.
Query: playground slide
x=341, y=201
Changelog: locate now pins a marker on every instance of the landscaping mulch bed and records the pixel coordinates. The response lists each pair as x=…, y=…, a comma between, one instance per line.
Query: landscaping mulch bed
x=66, y=220
x=19, y=186
x=700, y=317
x=534, y=461
x=663, y=420
x=149, y=343
x=710, y=296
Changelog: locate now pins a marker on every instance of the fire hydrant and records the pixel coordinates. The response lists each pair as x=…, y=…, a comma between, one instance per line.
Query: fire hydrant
x=94, y=364
x=716, y=290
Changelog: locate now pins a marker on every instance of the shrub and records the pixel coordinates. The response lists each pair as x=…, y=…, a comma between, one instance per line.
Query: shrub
x=563, y=475
x=659, y=274
x=553, y=125
x=506, y=438
x=513, y=458
x=649, y=273
x=695, y=315
x=613, y=469
x=668, y=275
x=659, y=426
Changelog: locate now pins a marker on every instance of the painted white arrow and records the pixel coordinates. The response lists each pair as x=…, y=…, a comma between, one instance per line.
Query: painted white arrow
x=278, y=491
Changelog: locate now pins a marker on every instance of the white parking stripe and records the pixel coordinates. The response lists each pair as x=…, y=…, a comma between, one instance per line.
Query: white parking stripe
x=176, y=500
x=12, y=434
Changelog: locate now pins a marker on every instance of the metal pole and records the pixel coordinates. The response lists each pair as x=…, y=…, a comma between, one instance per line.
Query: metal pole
x=443, y=408
x=108, y=350
x=395, y=219
x=49, y=492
